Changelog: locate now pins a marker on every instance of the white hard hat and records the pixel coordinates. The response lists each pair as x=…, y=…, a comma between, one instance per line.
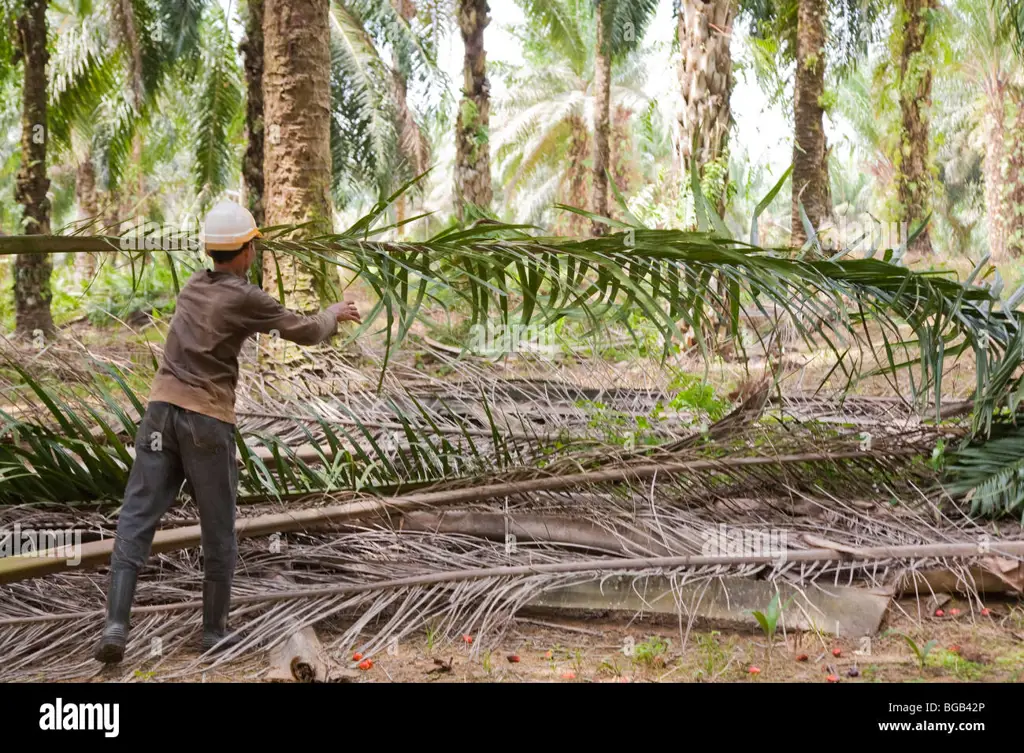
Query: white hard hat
x=228, y=226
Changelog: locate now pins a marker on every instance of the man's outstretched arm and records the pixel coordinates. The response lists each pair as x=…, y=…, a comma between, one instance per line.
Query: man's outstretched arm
x=266, y=315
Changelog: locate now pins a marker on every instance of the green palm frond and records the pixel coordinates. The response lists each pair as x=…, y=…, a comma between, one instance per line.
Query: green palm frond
x=8, y=39
x=125, y=122
x=180, y=24
x=856, y=310
x=371, y=130
x=565, y=26
x=153, y=45
x=538, y=137
x=85, y=71
x=991, y=474
x=221, y=110
x=626, y=22
x=414, y=45
x=364, y=123
x=79, y=449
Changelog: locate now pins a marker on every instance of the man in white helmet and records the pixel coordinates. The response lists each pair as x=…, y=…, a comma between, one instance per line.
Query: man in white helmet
x=188, y=430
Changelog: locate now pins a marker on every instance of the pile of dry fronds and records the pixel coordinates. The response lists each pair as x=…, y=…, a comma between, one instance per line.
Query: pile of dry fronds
x=535, y=468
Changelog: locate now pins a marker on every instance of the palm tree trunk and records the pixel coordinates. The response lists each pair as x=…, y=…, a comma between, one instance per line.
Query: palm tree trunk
x=575, y=190
x=88, y=209
x=914, y=180
x=127, y=29
x=810, y=160
x=995, y=151
x=1012, y=188
x=705, y=78
x=252, y=164
x=473, y=160
x=297, y=156
x=32, y=293
x=412, y=142
x=602, y=122
x=623, y=165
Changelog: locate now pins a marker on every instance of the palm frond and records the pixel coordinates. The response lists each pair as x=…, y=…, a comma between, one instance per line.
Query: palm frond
x=561, y=21
x=991, y=474
x=220, y=112
x=180, y=27
x=663, y=274
x=626, y=22
x=364, y=130
x=85, y=71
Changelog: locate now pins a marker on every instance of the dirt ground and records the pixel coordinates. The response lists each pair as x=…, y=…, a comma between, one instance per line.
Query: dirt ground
x=968, y=648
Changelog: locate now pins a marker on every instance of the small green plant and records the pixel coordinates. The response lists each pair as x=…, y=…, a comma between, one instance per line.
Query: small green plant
x=920, y=651
x=770, y=617
x=431, y=637
x=577, y=662
x=488, y=668
x=963, y=669
x=651, y=650
x=937, y=460
x=698, y=396
x=611, y=667
x=713, y=656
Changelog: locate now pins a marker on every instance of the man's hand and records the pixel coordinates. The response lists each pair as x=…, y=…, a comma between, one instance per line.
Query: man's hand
x=345, y=312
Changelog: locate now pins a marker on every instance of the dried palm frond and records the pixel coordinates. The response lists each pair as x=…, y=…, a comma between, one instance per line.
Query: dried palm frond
x=375, y=582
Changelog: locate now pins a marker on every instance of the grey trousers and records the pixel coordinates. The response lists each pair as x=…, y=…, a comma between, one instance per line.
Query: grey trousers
x=173, y=445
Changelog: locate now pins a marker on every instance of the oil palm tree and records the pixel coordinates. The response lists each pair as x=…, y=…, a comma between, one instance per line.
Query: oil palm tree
x=32, y=292
x=820, y=40
x=545, y=149
x=338, y=127
x=987, y=69
x=915, y=38
x=473, y=187
x=297, y=156
x=614, y=32
x=704, y=34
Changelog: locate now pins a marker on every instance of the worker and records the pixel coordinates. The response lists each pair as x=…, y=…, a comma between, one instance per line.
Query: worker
x=187, y=433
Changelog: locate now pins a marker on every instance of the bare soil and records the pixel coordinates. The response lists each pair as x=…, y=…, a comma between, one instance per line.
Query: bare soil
x=967, y=648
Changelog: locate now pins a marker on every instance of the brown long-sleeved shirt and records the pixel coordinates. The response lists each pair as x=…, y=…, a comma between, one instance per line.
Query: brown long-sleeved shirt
x=216, y=312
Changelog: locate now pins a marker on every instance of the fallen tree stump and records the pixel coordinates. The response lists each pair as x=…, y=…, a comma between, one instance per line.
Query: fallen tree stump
x=728, y=601
x=302, y=658
x=561, y=530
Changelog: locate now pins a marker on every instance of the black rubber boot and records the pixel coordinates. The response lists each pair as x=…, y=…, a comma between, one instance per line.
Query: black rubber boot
x=119, y=607
x=216, y=604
